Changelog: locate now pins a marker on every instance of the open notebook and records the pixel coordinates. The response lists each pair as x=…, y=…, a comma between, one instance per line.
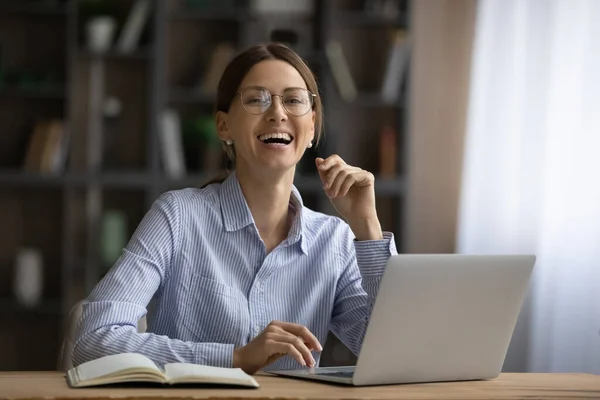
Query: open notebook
x=132, y=367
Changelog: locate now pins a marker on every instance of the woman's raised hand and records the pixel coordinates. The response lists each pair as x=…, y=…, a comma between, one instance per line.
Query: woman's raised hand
x=351, y=190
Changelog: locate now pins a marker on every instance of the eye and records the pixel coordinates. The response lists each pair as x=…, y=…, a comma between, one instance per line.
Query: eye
x=256, y=101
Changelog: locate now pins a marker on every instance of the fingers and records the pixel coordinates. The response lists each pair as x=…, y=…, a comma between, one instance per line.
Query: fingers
x=330, y=176
x=339, y=177
x=360, y=178
x=345, y=185
x=329, y=169
x=284, y=342
x=303, y=332
x=274, y=342
x=324, y=166
x=329, y=162
x=345, y=179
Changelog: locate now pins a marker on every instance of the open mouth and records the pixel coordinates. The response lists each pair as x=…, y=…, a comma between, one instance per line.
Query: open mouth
x=276, y=138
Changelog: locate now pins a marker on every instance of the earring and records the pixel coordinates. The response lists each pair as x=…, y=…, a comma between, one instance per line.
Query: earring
x=229, y=142
x=309, y=145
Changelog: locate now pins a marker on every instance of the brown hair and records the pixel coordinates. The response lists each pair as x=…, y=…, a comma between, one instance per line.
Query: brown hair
x=237, y=69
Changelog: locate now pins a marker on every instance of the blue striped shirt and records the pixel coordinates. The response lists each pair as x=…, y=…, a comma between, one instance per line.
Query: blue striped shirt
x=198, y=256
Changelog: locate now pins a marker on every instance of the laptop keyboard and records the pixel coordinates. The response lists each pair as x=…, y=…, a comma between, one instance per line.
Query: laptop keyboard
x=341, y=374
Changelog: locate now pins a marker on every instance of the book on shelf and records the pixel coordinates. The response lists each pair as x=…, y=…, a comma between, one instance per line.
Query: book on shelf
x=48, y=147
x=398, y=60
x=387, y=152
x=137, y=368
x=341, y=71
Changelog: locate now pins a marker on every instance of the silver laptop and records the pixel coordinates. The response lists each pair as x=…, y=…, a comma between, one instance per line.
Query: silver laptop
x=437, y=318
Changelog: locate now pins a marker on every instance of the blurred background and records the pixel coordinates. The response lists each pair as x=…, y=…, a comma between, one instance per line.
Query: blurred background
x=479, y=118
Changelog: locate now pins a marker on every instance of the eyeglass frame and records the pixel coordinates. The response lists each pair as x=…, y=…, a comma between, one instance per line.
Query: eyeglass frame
x=312, y=97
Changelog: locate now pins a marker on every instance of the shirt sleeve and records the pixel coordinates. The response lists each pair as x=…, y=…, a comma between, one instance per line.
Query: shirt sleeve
x=108, y=324
x=358, y=285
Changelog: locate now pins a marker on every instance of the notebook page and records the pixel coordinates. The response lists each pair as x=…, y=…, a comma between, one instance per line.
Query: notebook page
x=212, y=374
x=112, y=364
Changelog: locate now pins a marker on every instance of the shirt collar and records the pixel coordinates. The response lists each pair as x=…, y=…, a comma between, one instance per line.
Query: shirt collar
x=236, y=213
x=234, y=208
x=298, y=230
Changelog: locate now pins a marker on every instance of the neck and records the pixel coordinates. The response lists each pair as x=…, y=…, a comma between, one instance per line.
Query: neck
x=268, y=198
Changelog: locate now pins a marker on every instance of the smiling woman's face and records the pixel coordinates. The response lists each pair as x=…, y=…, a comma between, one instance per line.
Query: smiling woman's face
x=262, y=141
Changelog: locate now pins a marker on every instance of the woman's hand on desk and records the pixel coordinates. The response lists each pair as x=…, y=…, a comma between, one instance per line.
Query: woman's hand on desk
x=277, y=340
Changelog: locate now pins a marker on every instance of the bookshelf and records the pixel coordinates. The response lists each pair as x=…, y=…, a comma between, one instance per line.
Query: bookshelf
x=114, y=165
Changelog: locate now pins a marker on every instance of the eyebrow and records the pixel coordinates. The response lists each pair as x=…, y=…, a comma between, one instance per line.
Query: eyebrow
x=262, y=87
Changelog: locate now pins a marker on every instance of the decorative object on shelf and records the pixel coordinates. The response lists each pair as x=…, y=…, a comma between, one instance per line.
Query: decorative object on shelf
x=131, y=32
x=113, y=236
x=173, y=158
x=112, y=111
x=98, y=23
x=295, y=7
x=29, y=276
x=100, y=32
x=284, y=22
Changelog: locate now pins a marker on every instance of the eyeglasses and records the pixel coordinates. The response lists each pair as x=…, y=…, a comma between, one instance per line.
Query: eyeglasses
x=296, y=101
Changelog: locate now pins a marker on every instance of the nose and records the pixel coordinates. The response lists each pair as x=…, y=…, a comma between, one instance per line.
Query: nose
x=276, y=112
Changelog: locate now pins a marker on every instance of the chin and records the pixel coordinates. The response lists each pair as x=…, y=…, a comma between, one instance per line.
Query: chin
x=278, y=164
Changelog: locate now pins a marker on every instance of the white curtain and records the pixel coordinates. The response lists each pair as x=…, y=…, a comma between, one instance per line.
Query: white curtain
x=531, y=174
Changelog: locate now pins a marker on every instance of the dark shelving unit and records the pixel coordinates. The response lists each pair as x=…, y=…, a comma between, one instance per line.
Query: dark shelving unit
x=210, y=15
x=141, y=54
x=23, y=178
x=187, y=95
x=147, y=81
x=345, y=120
x=360, y=19
x=10, y=307
x=43, y=93
x=33, y=8
x=374, y=100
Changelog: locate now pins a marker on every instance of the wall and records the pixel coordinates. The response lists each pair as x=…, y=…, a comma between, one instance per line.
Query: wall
x=443, y=33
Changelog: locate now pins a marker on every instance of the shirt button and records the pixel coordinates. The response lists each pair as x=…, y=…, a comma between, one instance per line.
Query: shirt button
x=257, y=329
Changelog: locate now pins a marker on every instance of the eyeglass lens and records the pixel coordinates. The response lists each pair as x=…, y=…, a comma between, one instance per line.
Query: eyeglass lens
x=296, y=101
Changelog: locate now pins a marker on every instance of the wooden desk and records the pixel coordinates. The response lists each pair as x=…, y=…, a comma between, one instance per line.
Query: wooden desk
x=52, y=386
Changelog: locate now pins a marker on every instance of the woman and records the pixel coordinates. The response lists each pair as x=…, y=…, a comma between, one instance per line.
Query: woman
x=241, y=273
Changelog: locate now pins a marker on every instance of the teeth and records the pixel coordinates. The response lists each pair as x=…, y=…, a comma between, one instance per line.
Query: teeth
x=284, y=136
